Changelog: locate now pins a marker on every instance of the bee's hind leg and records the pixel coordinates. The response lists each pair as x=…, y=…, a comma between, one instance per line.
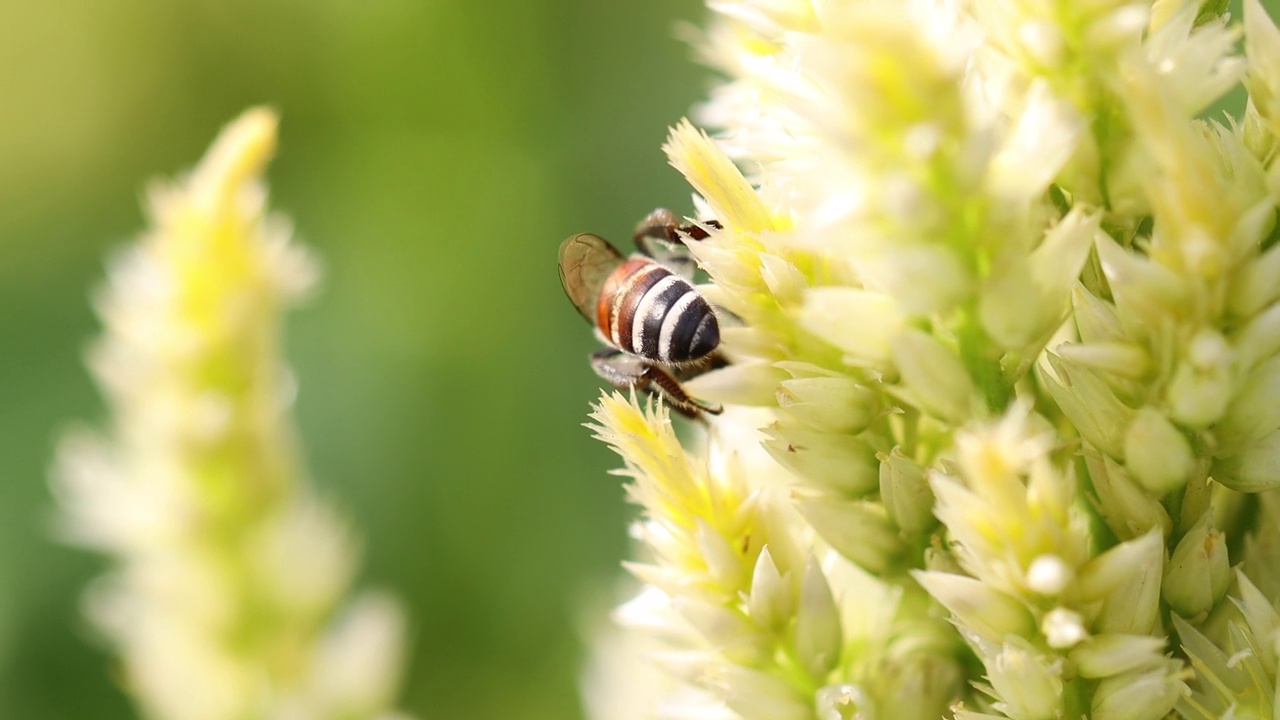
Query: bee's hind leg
x=626, y=372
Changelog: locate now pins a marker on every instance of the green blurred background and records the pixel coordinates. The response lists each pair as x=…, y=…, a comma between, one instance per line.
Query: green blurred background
x=434, y=154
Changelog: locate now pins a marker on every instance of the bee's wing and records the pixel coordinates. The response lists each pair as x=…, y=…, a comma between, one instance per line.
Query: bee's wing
x=585, y=263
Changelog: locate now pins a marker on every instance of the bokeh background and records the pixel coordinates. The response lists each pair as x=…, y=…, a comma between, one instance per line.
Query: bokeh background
x=434, y=154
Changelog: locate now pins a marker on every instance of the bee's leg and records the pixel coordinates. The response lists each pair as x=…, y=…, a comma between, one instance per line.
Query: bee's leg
x=660, y=232
x=625, y=372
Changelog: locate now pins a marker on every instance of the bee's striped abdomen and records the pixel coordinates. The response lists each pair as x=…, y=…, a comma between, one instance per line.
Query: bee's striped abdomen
x=647, y=310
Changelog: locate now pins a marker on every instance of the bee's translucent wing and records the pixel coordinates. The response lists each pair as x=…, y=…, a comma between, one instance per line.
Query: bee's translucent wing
x=585, y=263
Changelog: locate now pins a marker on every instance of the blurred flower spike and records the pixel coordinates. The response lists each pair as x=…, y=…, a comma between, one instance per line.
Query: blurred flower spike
x=227, y=599
x=1002, y=436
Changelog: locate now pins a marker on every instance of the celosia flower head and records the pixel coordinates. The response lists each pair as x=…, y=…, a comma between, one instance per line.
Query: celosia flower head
x=1003, y=314
x=226, y=600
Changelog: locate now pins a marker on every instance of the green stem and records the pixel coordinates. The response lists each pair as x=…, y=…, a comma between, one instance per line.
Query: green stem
x=984, y=368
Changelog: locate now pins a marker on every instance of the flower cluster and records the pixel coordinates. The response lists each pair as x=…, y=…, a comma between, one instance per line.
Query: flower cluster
x=1004, y=401
x=226, y=601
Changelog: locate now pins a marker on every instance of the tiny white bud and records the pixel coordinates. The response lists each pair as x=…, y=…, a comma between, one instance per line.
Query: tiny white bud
x=1048, y=575
x=1063, y=628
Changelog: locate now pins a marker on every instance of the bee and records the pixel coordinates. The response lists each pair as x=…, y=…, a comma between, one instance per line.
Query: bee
x=659, y=330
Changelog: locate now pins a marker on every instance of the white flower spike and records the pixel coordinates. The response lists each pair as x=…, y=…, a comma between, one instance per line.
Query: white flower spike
x=1005, y=309
x=228, y=594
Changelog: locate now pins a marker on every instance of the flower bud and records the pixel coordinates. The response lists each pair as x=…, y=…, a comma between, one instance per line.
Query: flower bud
x=1262, y=618
x=1134, y=605
x=818, y=636
x=756, y=695
x=841, y=463
x=861, y=324
x=769, y=604
x=1158, y=456
x=724, y=563
x=1089, y=404
x=1139, y=695
x=829, y=404
x=935, y=379
x=919, y=685
x=1254, y=469
x=1127, y=360
x=724, y=628
x=1096, y=319
x=922, y=278
x=1257, y=282
x=1202, y=382
x=1146, y=292
x=1128, y=510
x=1198, y=573
x=1063, y=628
x=1262, y=46
x=1048, y=575
x=747, y=383
x=1259, y=339
x=857, y=530
x=905, y=493
x=1104, y=574
x=980, y=608
x=1029, y=686
x=1112, y=654
x=783, y=278
x=1254, y=411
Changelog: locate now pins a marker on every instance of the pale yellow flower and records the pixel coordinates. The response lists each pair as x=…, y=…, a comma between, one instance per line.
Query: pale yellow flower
x=228, y=594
